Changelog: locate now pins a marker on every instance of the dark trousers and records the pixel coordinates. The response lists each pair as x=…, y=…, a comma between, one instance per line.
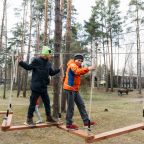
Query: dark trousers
x=74, y=97
x=33, y=98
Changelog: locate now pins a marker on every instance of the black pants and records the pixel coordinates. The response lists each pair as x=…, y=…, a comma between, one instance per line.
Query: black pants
x=75, y=97
x=33, y=98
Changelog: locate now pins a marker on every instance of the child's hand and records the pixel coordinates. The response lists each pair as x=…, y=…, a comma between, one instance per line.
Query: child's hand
x=19, y=58
x=92, y=68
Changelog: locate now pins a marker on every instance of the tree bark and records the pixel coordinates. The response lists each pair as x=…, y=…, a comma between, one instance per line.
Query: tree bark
x=2, y=25
x=68, y=45
x=28, y=54
x=138, y=51
x=46, y=22
x=57, y=47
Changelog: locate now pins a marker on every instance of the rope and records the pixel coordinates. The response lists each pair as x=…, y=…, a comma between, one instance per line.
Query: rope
x=91, y=93
x=92, y=84
x=11, y=86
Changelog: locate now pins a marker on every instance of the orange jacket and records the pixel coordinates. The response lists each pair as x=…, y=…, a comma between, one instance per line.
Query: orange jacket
x=72, y=77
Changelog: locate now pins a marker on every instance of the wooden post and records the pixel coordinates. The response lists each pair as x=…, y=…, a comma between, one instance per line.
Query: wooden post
x=6, y=122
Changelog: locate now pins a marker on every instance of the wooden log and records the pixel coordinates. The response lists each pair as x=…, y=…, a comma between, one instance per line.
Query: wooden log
x=6, y=122
x=24, y=127
x=4, y=112
x=84, y=134
x=116, y=132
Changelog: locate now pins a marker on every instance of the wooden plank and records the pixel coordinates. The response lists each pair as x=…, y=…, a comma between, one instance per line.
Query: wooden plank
x=24, y=127
x=6, y=122
x=84, y=134
x=116, y=132
x=4, y=112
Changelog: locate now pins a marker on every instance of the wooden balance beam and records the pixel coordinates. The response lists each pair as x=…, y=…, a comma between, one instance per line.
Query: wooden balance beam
x=116, y=132
x=81, y=133
x=6, y=124
x=24, y=127
x=90, y=138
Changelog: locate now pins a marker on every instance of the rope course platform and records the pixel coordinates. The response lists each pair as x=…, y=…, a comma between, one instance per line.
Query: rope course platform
x=90, y=138
x=117, y=132
x=81, y=133
x=87, y=136
x=7, y=125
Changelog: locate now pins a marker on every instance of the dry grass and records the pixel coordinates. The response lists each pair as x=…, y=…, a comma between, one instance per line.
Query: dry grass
x=122, y=111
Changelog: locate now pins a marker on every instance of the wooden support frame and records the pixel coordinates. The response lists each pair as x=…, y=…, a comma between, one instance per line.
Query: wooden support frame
x=90, y=138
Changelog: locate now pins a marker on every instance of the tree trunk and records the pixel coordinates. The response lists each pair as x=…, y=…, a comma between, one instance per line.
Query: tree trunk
x=2, y=25
x=20, y=72
x=57, y=46
x=107, y=67
x=5, y=53
x=38, y=37
x=46, y=22
x=117, y=80
x=62, y=94
x=68, y=44
x=111, y=63
x=18, y=81
x=28, y=55
x=5, y=74
x=138, y=52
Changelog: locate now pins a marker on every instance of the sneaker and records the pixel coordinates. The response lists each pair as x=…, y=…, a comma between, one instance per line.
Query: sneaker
x=92, y=123
x=72, y=127
x=39, y=121
x=29, y=122
x=50, y=120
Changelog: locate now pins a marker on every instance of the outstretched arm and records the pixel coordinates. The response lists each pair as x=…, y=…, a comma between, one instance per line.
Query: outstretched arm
x=28, y=66
x=79, y=71
x=82, y=71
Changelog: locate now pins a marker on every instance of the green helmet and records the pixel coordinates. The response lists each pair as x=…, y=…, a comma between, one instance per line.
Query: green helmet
x=46, y=50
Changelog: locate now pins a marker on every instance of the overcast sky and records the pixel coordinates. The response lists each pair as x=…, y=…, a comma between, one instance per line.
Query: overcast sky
x=83, y=8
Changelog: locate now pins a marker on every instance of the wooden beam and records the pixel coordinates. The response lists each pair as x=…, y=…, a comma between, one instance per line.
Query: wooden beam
x=4, y=112
x=6, y=122
x=116, y=132
x=24, y=127
x=84, y=134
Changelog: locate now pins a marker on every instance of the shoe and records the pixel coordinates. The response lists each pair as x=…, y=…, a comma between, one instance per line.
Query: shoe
x=92, y=123
x=39, y=121
x=72, y=127
x=50, y=120
x=29, y=122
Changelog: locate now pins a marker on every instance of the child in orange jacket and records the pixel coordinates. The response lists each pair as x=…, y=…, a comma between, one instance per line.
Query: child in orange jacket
x=71, y=87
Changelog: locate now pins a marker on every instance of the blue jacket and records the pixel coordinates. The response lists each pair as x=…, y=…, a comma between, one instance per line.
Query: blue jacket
x=41, y=70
